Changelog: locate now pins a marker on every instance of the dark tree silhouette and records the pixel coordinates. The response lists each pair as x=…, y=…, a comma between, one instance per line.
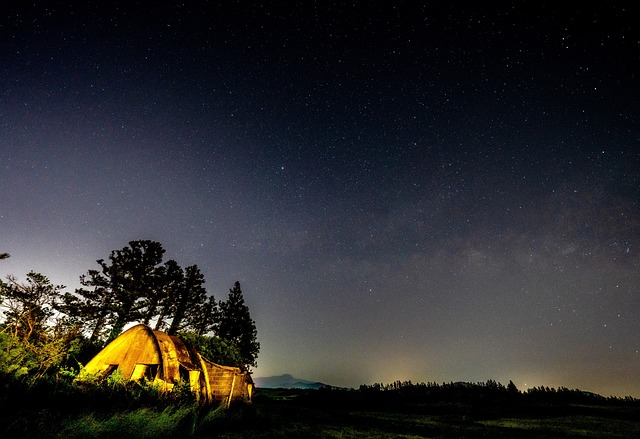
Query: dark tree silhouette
x=204, y=319
x=235, y=325
x=124, y=290
x=135, y=286
x=512, y=389
x=173, y=280
x=190, y=298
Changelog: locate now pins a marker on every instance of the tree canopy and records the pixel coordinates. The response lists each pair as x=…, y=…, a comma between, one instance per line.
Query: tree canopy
x=236, y=325
x=28, y=306
x=134, y=285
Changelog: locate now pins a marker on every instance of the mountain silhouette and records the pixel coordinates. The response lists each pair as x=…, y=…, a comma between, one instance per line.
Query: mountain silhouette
x=286, y=381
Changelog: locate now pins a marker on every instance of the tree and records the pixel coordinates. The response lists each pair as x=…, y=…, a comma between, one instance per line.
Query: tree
x=190, y=302
x=90, y=308
x=173, y=276
x=29, y=306
x=235, y=325
x=135, y=286
x=205, y=318
x=125, y=290
x=31, y=342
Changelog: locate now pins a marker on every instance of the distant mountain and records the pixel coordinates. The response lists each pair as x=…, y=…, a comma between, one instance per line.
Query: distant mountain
x=286, y=382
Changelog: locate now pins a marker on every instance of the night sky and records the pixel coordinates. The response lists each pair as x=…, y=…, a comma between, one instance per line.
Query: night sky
x=425, y=193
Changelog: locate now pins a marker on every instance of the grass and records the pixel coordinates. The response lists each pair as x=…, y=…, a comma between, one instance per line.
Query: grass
x=284, y=420
x=295, y=416
x=311, y=414
x=143, y=423
x=569, y=426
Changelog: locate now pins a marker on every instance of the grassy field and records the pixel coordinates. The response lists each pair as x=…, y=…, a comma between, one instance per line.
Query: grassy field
x=439, y=412
x=280, y=414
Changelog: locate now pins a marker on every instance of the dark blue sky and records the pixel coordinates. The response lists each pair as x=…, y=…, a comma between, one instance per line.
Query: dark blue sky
x=433, y=193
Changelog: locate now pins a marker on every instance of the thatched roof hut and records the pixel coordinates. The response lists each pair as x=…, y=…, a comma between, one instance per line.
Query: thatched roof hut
x=142, y=353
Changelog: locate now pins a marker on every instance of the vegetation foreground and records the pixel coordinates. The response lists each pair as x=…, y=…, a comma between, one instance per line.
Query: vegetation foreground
x=115, y=409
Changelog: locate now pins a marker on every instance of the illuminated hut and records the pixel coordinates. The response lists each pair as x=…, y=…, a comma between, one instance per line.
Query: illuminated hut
x=142, y=353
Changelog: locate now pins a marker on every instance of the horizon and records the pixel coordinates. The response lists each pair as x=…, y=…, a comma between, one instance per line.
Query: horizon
x=427, y=382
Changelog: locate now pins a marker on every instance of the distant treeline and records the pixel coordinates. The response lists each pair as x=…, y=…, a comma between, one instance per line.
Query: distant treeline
x=496, y=390
x=482, y=400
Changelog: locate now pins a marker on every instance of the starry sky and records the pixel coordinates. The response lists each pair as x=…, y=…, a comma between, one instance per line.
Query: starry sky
x=427, y=193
